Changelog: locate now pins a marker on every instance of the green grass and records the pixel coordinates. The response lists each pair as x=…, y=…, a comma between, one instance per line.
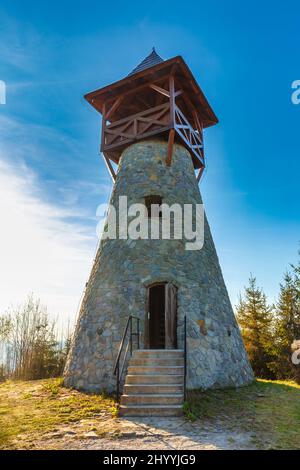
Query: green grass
x=269, y=410
x=29, y=409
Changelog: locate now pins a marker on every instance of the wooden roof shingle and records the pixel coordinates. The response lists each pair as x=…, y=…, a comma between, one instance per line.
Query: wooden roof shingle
x=152, y=59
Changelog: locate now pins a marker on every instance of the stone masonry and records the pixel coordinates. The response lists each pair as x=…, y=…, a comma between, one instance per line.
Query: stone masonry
x=123, y=269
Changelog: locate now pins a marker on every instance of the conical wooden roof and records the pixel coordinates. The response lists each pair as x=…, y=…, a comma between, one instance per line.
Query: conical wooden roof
x=152, y=59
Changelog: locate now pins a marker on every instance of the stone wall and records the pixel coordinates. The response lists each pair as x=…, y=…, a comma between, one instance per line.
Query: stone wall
x=124, y=268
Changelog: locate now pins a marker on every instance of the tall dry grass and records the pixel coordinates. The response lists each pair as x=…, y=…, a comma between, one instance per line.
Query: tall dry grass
x=31, y=344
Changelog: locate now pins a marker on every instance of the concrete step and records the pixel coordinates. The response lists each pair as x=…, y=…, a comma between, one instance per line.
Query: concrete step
x=161, y=353
x=156, y=361
x=152, y=399
x=150, y=410
x=153, y=370
x=141, y=379
x=161, y=389
x=154, y=383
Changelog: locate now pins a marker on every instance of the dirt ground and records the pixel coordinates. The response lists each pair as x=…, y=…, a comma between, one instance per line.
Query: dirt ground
x=147, y=433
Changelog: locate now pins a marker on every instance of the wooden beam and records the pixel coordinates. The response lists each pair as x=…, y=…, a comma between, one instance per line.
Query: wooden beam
x=103, y=128
x=178, y=93
x=161, y=107
x=114, y=107
x=140, y=136
x=191, y=138
x=109, y=167
x=198, y=155
x=160, y=90
x=170, y=146
x=135, y=127
x=139, y=88
x=199, y=125
x=200, y=131
x=200, y=173
x=128, y=128
x=172, y=99
x=142, y=101
x=119, y=132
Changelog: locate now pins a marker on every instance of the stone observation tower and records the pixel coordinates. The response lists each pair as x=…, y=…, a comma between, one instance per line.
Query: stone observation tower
x=155, y=316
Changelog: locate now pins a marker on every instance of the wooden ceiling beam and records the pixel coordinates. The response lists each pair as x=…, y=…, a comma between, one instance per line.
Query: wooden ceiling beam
x=160, y=90
x=138, y=88
x=114, y=107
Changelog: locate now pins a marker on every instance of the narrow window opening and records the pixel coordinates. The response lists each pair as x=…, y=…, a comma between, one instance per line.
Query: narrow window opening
x=152, y=202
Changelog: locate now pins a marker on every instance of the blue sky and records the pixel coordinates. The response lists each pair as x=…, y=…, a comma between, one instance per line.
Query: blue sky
x=244, y=56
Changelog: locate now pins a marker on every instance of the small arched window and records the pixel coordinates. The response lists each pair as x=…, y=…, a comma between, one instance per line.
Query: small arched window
x=153, y=204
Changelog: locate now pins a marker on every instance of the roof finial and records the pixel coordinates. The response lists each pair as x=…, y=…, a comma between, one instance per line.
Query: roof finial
x=153, y=49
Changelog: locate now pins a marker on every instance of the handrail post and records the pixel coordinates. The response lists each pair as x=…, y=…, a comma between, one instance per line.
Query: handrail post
x=117, y=370
x=118, y=381
x=185, y=361
x=130, y=336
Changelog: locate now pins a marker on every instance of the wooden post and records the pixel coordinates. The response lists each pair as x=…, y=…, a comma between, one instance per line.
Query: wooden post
x=172, y=100
x=109, y=167
x=170, y=146
x=200, y=173
x=103, y=127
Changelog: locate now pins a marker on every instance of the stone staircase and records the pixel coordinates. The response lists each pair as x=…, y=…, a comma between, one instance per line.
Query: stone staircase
x=154, y=383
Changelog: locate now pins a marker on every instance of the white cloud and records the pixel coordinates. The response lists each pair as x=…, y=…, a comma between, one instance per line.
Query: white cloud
x=40, y=251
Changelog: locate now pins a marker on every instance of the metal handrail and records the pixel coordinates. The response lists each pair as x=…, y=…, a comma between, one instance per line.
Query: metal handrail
x=117, y=370
x=185, y=357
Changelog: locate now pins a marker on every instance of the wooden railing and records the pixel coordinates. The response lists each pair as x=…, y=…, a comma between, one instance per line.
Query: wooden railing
x=193, y=138
x=137, y=126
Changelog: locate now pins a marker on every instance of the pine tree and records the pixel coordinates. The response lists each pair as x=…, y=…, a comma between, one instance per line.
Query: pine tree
x=286, y=328
x=255, y=318
x=295, y=344
x=287, y=325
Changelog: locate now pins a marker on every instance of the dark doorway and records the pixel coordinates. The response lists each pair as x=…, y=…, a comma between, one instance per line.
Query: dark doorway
x=161, y=324
x=156, y=317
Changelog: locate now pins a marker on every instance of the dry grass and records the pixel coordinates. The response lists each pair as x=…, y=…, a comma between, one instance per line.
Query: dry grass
x=30, y=409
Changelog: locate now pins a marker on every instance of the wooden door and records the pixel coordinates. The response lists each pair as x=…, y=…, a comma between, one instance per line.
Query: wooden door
x=170, y=316
x=147, y=321
x=156, y=316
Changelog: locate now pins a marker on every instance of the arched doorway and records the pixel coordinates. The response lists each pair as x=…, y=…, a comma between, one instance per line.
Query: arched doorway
x=161, y=316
